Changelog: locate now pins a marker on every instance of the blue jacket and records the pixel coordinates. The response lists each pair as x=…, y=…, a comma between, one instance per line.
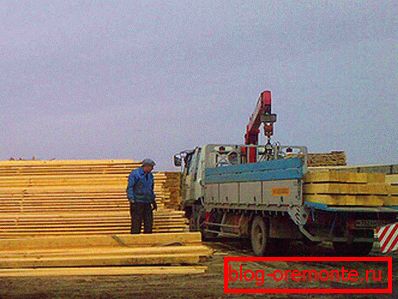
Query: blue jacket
x=140, y=186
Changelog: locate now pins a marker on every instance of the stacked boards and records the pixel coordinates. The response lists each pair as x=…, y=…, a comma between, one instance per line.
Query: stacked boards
x=334, y=158
x=387, y=169
x=349, y=188
x=68, y=197
x=392, y=181
x=172, y=185
x=173, y=253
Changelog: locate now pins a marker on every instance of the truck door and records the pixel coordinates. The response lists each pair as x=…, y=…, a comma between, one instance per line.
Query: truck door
x=190, y=175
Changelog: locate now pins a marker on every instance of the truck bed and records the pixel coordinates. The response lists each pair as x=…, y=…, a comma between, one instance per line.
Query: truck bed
x=271, y=184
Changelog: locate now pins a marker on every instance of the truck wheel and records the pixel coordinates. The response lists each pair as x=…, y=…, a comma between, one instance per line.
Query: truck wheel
x=259, y=236
x=353, y=249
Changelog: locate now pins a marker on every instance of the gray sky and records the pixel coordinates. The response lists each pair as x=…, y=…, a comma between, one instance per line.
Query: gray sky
x=126, y=79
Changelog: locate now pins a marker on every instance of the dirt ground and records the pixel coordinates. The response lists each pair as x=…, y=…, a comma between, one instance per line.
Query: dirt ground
x=208, y=285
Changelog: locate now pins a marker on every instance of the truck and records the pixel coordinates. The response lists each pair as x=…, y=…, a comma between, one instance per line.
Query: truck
x=255, y=192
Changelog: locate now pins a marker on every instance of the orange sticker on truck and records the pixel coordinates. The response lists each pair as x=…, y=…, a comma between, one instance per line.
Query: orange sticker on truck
x=280, y=191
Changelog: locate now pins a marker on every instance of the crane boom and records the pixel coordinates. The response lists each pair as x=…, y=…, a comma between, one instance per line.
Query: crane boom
x=261, y=115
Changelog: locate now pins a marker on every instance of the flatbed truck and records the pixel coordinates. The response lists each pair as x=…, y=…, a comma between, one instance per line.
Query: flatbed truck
x=255, y=192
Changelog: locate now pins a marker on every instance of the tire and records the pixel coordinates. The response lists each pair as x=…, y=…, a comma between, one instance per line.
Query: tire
x=259, y=236
x=353, y=249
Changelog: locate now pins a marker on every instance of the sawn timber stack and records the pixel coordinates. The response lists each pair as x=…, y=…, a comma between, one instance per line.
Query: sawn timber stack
x=103, y=255
x=334, y=158
x=74, y=197
x=345, y=188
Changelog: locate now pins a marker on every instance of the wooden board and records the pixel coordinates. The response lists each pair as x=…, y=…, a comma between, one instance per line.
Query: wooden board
x=100, y=250
x=333, y=158
x=333, y=187
x=108, y=252
x=100, y=260
x=391, y=201
x=347, y=200
x=352, y=189
x=343, y=177
x=392, y=179
x=100, y=240
x=101, y=271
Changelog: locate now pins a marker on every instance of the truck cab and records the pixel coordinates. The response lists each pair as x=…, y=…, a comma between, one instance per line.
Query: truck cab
x=193, y=164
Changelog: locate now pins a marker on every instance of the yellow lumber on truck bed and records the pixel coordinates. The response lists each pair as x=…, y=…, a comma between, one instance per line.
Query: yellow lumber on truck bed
x=345, y=188
x=340, y=188
x=346, y=200
x=343, y=177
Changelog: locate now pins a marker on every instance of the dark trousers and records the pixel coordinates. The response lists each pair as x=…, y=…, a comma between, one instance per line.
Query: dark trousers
x=141, y=212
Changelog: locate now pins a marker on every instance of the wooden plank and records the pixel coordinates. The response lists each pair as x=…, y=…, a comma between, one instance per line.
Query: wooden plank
x=100, y=260
x=391, y=201
x=392, y=179
x=11, y=235
x=200, y=250
x=329, y=159
x=97, y=271
x=376, y=177
x=343, y=177
x=100, y=240
x=347, y=200
x=352, y=189
x=330, y=176
x=92, y=213
x=392, y=189
x=65, y=162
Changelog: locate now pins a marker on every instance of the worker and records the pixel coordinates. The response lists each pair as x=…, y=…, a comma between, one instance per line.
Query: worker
x=233, y=158
x=141, y=197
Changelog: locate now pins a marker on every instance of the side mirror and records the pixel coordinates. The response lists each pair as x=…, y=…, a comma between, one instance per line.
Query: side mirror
x=201, y=183
x=177, y=161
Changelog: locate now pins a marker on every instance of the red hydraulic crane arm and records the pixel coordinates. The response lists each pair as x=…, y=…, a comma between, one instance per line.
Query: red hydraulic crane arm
x=262, y=114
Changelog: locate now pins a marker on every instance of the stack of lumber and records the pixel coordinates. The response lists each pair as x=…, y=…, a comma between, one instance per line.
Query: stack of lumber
x=76, y=197
x=334, y=158
x=387, y=169
x=349, y=188
x=174, y=253
x=173, y=187
x=392, y=181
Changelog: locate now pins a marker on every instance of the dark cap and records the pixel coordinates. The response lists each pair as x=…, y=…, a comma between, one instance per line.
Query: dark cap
x=148, y=162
